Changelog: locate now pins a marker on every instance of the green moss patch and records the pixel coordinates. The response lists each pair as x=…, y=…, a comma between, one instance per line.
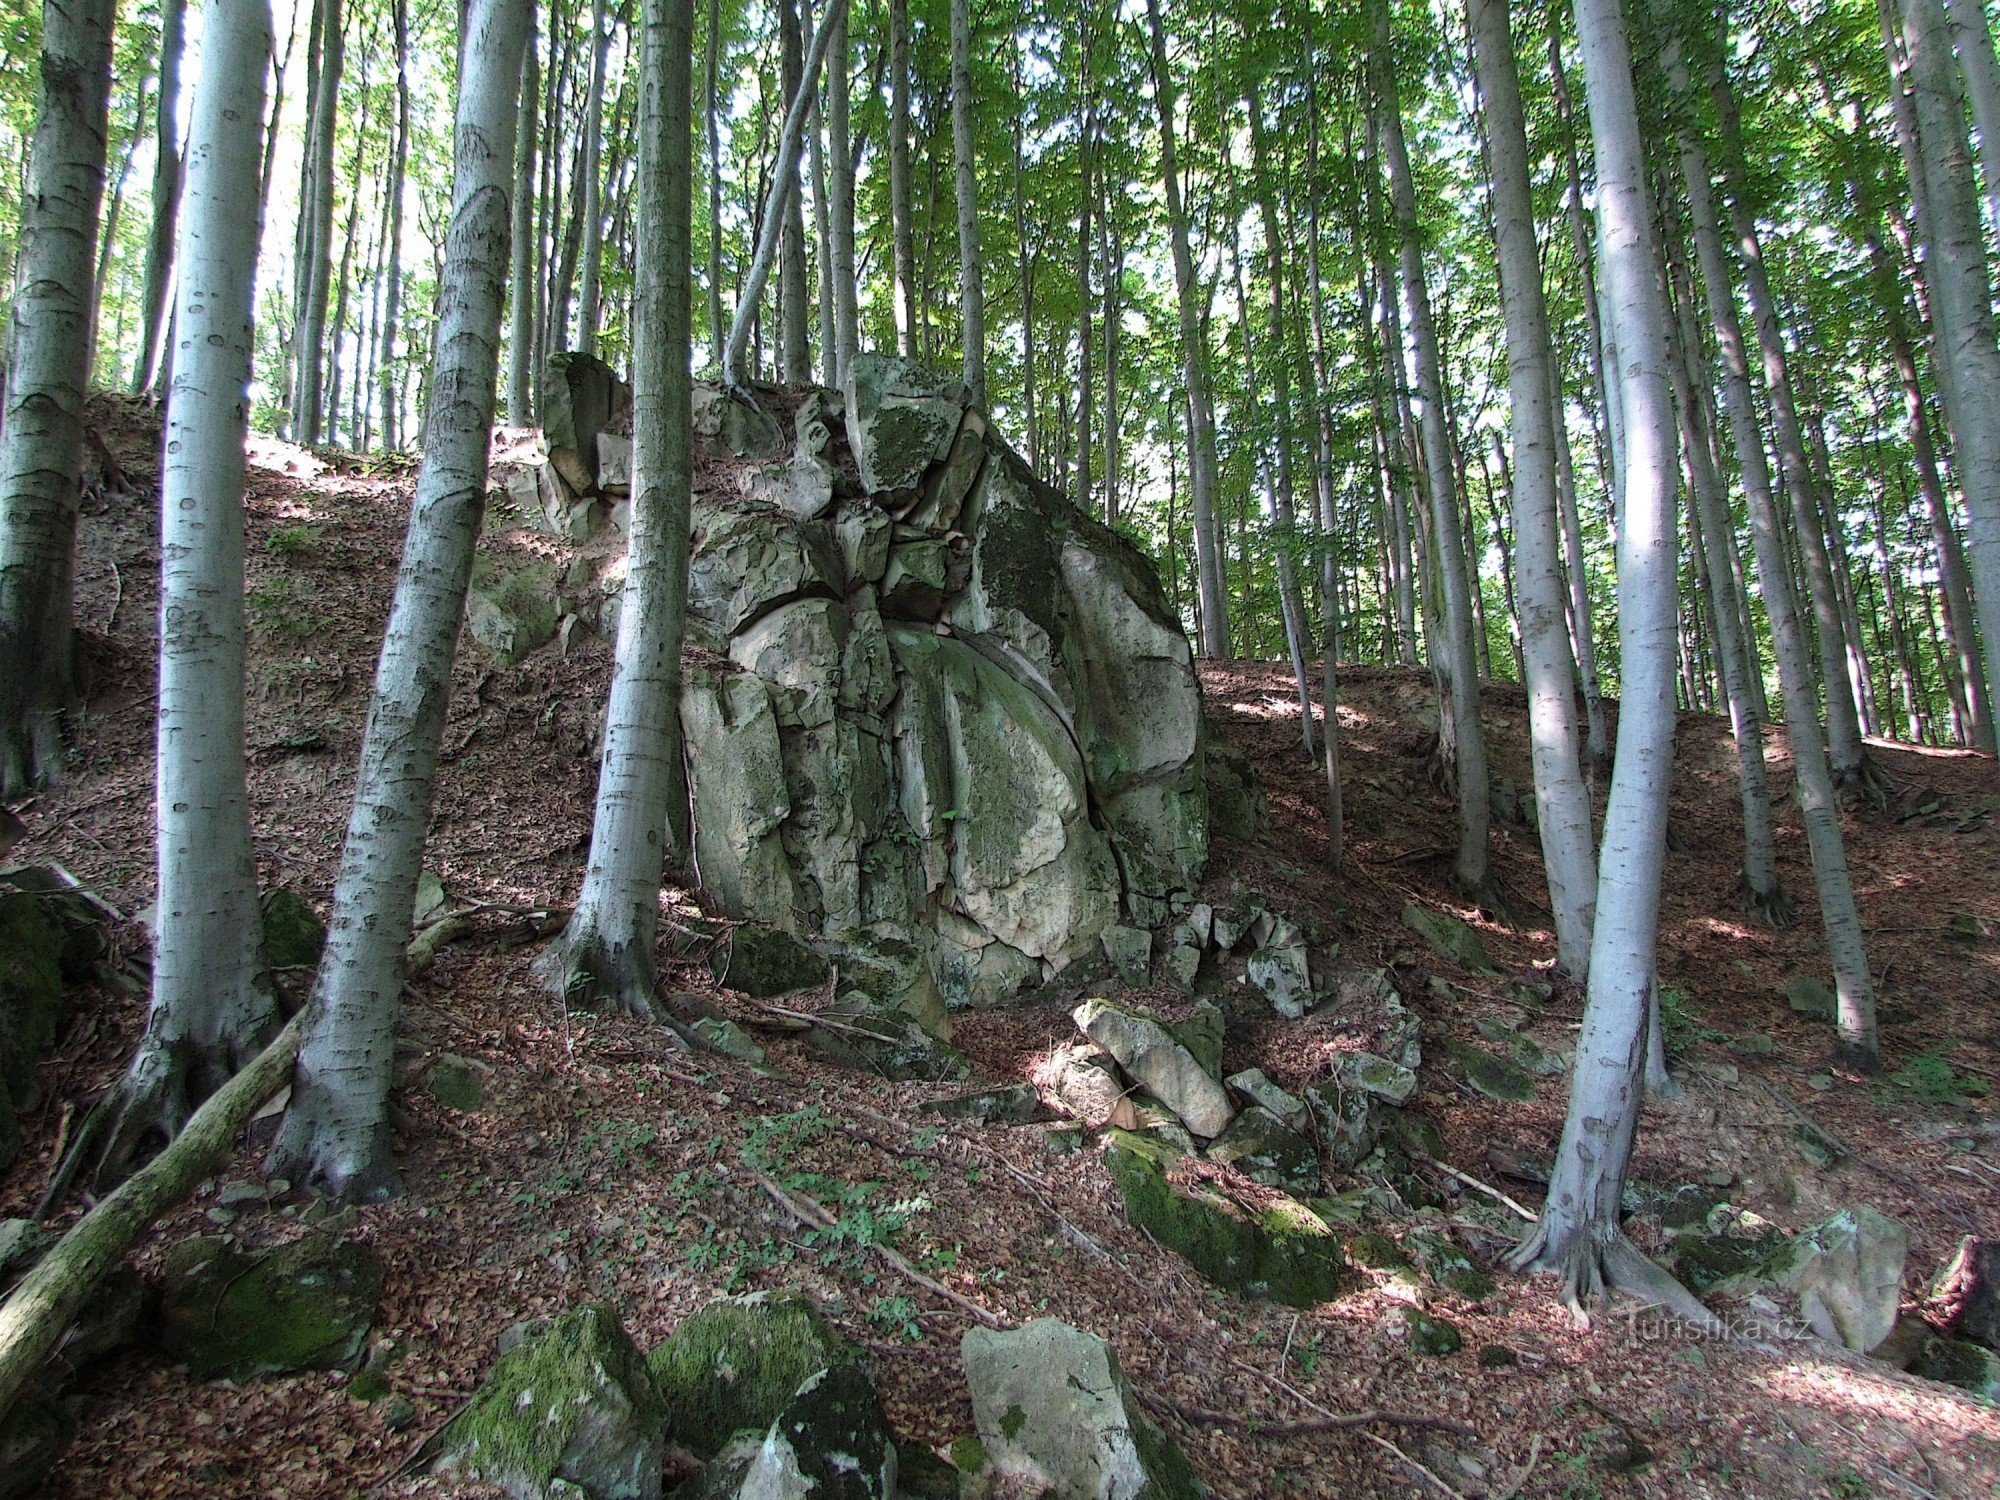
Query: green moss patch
x=736, y=1363
x=231, y=1315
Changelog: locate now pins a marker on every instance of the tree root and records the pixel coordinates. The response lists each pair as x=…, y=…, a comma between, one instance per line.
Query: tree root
x=585, y=973
x=1594, y=1264
x=1773, y=908
x=1865, y=784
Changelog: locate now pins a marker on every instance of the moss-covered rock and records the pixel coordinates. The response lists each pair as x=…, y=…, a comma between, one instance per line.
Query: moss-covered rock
x=1015, y=1103
x=31, y=988
x=22, y=1243
x=231, y=1314
x=1497, y=1357
x=888, y=1043
x=34, y=1431
x=1057, y=1417
x=764, y=961
x=1431, y=1335
x=922, y=1475
x=1448, y=937
x=1451, y=1268
x=570, y=1408
x=735, y=1363
x=1267, y=1150
x=1494, y=1076
x=510, y=605
x=455, y=1082
x=1962, y=1363
x=293, y=933
x=1280, y=1250
x=1810, y=997
x=1201, y=1034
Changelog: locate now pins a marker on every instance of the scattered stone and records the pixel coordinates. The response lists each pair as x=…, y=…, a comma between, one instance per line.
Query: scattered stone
x=1529, y=1054
x=727, y=1038
x=1161, y=1065
x=1278, y=1250
x=1202, y=1034
x=230, y=1314
x=1082, y=1081
x=1959, y=1362
x=1229, y=926
x=761, y=962
x=1497, y=1357
x=293, y=932
x=1848, y=1273
x=901, y=419
x=829, y=1442
x=870, y=1038
x=510, y=605
x=1265, y=1149
x=1237, y=804
x=729, y=427
x=569, y=1410
x=1179, y=966
x=1254, y=1086
x=1817, y=1147
x=1057, y=1417
x=1370, y=1074
x=1284, y=975
x=1014, y=1104
x=1430, y=1335
x=1130, y=951
x=1200, y=924
x=1809, y=997
x=1756, y=1044
x=1450, y=1267
x=1348, y=1122
x=455, y=1082
x=22, y=1243
x=1495, y=1077
x=1448, y=937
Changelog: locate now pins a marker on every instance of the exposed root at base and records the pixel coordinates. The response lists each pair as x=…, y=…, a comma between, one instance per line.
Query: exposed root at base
x=585, y=973
x=1595, y=1265
x=1865, y=784
x=1773, y=908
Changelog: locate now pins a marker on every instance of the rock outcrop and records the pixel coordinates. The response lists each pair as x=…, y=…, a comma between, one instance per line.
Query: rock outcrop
x=940, y=707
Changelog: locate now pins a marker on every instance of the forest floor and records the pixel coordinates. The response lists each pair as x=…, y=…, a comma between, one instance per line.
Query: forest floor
x=604, y=1164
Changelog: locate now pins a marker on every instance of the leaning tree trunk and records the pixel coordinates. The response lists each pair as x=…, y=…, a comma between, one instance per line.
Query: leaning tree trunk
x=965, y=177
x=390, y=387
x=1981, y=74
x=166, y=200
x=783, y=196
x=1214, y=621
x=1561, y=800
x=797, y=81
x=1818, y=802
x=606, y=956
x=712, y=68
x=47, y=372
x=845, y=337
x=335, y=1136
x=1961, y=313
x=213, y=1009
x=1578, y=1235
x=1453, y=655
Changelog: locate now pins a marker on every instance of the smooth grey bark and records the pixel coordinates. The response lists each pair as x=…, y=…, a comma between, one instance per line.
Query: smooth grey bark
x=606, y=956
x=1851, y=767
x=47, y=375
x=1214, y=630
x=783, y=195
x=1561, y=800
x=1578, y=1235
x=1961, y=311
x=335, y=1136
x=1812, y=776
x=391, y=388
x=1973, y=39
x=902, y=247
x=522, y=283
x=1329, y=507
x=845, y=337
x=797, y=82
x=212, y=1008
x=1452, y=655
x=590, y=189
x=829, y=354
x=965, y=180
x=315, y=268
x=717, y=328
x=166, y=200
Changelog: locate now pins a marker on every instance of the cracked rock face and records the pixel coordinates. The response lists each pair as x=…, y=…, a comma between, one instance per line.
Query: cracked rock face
x=942, y=707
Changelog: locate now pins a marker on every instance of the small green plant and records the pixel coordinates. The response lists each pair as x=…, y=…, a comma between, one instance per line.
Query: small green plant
x=293, y=542
x=282, y=609
x=896, y=1315
x=1933, y=1081
x=1683, y=1028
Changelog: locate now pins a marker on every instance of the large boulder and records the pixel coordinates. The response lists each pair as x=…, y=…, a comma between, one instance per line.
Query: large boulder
x=964, y=720
x=1848, y=1273
x=1159, y=1063
x=1057, y=1417
x=233, y=1314
x=569, y=1410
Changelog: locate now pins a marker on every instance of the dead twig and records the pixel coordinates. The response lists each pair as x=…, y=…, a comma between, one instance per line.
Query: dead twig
x=1383, y=1443
x=809, y=1213
x=1477, y=1186
x=1196, y=1416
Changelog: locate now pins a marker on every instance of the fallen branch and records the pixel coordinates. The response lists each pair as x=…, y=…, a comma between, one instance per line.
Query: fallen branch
x=1353, y=1419
x=1198, y=1417
x=1477, y=1186
x=42, y=1307
x=809, y=1213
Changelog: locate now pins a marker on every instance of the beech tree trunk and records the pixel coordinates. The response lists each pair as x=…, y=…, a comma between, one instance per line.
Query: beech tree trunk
x=783, y=197
x=902, y=245
x=315, y=268
x=1453, y=656
x=1214, y=625
x=1818, y=803
x=212, y=1009
x=335, y=1136
x=41, y=439
x=1961, y=312
x=1578, y=1235
x=1561, y=800
x=590, y=185
x=388, y=372
x=166, y=200
x=606, y=956
x=845, y=335
x=965, y=178
x=797, y=82
x=717, y=328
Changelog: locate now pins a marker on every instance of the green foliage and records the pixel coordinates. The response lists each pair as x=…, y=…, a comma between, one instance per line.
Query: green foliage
x=1930, y=1080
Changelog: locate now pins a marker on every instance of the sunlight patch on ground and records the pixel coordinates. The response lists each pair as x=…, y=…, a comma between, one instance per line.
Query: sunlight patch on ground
x=278, y=457
x=1841, y=1389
